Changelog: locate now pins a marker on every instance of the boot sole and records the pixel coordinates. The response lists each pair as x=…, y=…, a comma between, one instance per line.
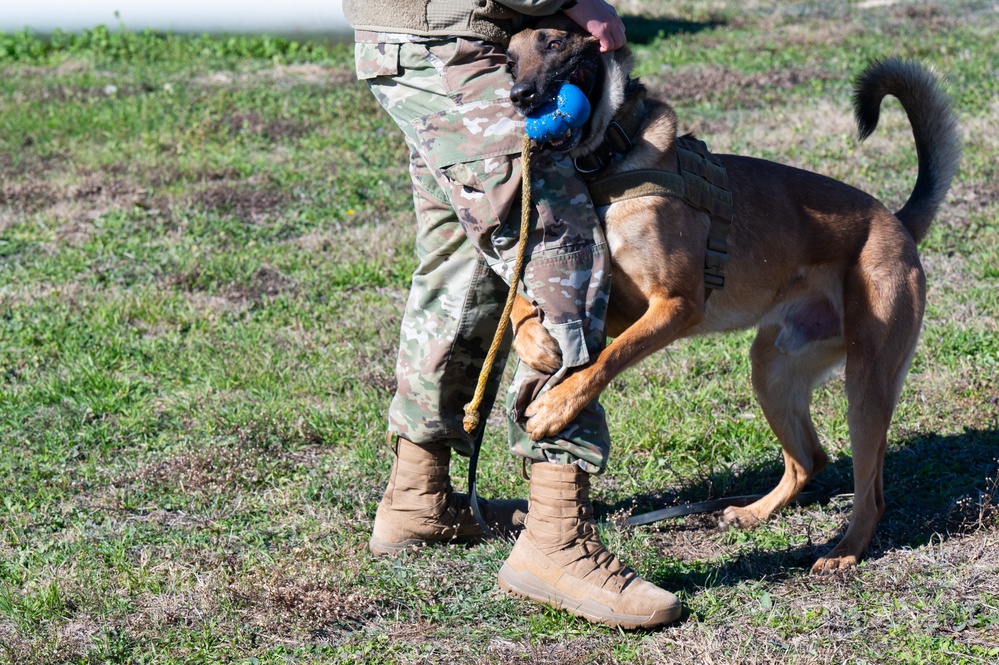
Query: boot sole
x=527, y=585
x=379, y=547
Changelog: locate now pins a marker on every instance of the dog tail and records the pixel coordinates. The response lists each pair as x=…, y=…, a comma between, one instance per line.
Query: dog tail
x=933, y=125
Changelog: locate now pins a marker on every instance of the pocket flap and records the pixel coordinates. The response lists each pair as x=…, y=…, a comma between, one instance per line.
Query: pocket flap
x=469, y=132
x=572, y=341
x=373, y=60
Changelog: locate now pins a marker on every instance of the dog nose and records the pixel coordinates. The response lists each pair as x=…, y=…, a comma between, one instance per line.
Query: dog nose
x=523, y=95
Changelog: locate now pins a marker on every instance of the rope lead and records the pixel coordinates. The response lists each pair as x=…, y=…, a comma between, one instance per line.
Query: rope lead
x=472, y=416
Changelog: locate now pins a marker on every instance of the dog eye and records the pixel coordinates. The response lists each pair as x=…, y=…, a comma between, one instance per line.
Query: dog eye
x=511, y=66
x=554, y=44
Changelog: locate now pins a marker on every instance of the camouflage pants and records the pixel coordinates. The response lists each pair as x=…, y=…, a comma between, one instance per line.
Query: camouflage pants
x=451, y=100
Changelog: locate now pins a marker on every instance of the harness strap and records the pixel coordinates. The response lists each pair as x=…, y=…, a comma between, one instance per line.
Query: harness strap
x=634, y=184
x=619, y=139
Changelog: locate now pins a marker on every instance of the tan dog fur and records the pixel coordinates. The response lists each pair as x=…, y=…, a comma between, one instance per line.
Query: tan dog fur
x=824, y=272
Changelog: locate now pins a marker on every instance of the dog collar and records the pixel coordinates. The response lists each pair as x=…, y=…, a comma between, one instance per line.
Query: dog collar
x=619, y=139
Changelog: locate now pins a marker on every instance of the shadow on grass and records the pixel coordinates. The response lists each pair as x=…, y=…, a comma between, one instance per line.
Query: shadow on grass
x=643, y=30
x=934, y=487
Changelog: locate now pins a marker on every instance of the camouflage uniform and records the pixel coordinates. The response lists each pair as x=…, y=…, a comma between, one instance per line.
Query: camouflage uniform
x=451, y=99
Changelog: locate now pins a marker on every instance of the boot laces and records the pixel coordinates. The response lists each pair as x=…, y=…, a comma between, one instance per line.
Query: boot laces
x=606, y=565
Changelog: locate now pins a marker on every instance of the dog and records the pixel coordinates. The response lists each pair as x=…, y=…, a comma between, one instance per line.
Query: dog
x=825, y=272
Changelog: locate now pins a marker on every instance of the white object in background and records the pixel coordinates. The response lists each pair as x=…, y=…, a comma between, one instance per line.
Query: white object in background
x=287, y=17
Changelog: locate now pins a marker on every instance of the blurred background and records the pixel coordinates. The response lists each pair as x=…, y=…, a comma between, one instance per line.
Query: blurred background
x=288, y=18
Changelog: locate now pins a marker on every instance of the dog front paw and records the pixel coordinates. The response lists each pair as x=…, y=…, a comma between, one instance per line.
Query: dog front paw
x=549, y=414
x=536, y=347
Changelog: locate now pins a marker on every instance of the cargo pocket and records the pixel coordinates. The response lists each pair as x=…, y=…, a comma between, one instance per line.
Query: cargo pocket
x=374, y=60
x=572, y=340
x=473, y=151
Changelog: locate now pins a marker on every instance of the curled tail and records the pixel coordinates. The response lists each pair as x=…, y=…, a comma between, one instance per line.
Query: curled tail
x=933, y=126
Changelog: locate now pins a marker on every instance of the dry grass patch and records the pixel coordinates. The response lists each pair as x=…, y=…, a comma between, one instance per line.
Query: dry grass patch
x=265, y=282
x=59, y=643
x=282, y=76
x=213, y=468
x=927, y=15
x=731, y=88
x=246, y=200
x=206, y=471
x=973, y=514
x=27, y=196
x=778, y=129
x=387, y=240
x=33, y=90
x=184, y=608
x=277, y=129
x=544, y=651
x=76, y=199
x=976, y=196
x=810, y=33
x=314, y=601
x=205, y=294
x=302, y=595
x=808, y=619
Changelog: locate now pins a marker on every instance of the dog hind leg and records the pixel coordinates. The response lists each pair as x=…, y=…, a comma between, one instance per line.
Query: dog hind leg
x=783, y=383
x=884, y=306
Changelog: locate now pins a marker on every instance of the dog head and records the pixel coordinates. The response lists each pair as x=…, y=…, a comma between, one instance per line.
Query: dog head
x=550, y=52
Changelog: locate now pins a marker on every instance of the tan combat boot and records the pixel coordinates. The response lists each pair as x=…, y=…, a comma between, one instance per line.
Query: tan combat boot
x=559, y=559
x=420, y=508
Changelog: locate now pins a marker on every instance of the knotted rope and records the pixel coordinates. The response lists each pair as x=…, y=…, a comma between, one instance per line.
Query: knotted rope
x=472, y=419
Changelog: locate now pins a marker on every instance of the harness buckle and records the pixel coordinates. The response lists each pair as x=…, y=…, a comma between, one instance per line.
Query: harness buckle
x=619, y=138
x=714, y=268
x=584, y=170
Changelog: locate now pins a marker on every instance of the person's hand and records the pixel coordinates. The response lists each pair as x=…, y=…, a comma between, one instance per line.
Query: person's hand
x=600, y=20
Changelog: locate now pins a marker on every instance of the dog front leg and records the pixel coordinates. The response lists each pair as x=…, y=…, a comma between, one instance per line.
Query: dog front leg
x=663, y=322
x=531, y=340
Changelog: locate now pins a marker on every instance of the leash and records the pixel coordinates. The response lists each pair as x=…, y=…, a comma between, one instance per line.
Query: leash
x=813, y=492
x=472, y=418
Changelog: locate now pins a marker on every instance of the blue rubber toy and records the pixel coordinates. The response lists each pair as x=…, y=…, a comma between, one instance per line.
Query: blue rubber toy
x=570, y=109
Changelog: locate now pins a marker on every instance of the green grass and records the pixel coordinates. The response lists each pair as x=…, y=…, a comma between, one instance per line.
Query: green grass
x=205, y=246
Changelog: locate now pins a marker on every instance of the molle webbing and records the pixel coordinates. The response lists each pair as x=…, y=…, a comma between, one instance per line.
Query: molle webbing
x=702, y=183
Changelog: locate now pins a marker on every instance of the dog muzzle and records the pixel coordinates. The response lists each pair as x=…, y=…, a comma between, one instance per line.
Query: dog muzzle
x=557, y=118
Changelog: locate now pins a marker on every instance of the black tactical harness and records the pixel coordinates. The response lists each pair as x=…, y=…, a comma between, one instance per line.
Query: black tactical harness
x=702, y=183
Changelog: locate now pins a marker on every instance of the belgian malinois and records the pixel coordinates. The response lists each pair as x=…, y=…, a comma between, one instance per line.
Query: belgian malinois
x=824, y=271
